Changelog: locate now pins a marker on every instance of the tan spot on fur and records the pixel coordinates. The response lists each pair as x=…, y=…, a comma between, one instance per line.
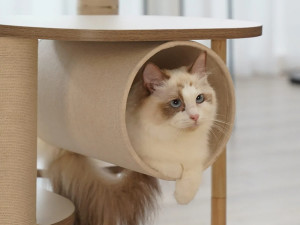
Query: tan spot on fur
x=180, y=85
x=180, y=95
x=166, y=74
x=168, y=111
x=208, y=97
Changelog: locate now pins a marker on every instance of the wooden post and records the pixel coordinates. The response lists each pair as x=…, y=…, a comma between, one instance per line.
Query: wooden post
x=218, y=201
x=18, y=130
x=98, y=7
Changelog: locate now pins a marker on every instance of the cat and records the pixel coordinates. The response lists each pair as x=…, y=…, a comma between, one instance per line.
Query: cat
x=169, y=115
x=169, y=124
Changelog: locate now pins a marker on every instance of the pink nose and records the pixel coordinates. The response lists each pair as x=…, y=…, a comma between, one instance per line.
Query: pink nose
x=194, y=117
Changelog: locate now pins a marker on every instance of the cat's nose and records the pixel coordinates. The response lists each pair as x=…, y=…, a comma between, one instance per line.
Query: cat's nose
x=194, y=117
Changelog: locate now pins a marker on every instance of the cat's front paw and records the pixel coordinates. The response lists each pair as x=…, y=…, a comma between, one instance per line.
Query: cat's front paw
x=184, y=192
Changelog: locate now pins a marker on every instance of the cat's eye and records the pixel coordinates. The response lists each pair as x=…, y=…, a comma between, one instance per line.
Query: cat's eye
x=200, y=98
x=175, y=103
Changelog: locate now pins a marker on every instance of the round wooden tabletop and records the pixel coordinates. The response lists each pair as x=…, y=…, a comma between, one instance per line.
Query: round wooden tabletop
x=121, y=28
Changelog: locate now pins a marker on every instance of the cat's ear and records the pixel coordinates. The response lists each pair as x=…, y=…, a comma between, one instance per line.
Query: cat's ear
x=199, y=66
x=152, y=76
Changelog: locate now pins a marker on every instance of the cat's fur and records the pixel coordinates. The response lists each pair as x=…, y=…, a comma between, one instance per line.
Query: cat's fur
x=173, y=141
x=100, y=196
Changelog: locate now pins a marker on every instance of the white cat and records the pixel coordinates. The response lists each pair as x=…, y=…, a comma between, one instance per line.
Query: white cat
x=169, y=124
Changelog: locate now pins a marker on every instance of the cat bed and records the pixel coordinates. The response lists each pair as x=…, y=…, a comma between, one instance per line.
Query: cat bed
x=83, y=90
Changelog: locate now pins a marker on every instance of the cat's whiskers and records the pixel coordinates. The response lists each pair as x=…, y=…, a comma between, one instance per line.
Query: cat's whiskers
x=211, y=131
x=220, y=125
x=220, y=129
x=220, y=115
x=217, y=121
x=222, y=122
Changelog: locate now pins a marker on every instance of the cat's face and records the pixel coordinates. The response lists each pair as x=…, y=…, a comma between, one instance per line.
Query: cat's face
x=183, y=98
x=186, y=101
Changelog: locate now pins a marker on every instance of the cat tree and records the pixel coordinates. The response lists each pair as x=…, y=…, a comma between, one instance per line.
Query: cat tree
x=61, y=98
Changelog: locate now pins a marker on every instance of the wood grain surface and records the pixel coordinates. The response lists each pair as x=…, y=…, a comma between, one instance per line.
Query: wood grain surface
x=121, y=28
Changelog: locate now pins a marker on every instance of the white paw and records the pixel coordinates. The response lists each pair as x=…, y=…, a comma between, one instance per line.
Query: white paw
x=184, y=192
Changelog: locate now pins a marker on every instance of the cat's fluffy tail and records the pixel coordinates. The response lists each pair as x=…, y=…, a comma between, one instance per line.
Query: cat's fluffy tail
x=103, y=197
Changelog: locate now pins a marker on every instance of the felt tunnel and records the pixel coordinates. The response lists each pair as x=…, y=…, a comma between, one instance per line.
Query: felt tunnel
x=83, y=90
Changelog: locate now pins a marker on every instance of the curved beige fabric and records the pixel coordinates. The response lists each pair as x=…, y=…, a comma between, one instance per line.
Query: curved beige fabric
x=83, y=88
x=18, y=91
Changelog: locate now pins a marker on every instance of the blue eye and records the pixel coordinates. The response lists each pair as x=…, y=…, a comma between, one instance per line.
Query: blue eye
x=200, y=98
x=175, y=103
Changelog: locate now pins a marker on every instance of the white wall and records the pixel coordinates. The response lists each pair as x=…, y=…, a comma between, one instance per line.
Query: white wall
x=37, y=7
x=163, y=7
x=131, y=7
x=255, y=55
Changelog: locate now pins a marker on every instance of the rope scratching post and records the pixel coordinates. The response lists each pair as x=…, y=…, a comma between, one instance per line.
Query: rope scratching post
x=18, y=91
x=83, y=94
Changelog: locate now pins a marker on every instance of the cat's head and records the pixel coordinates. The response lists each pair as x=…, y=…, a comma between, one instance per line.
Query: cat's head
x=182, y=97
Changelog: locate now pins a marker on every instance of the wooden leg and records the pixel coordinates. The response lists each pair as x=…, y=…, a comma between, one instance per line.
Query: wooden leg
x=18, y=133
x=97, y=7
x=218, y=202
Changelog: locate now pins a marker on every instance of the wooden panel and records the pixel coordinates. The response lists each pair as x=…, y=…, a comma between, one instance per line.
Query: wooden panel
x=120, y=28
